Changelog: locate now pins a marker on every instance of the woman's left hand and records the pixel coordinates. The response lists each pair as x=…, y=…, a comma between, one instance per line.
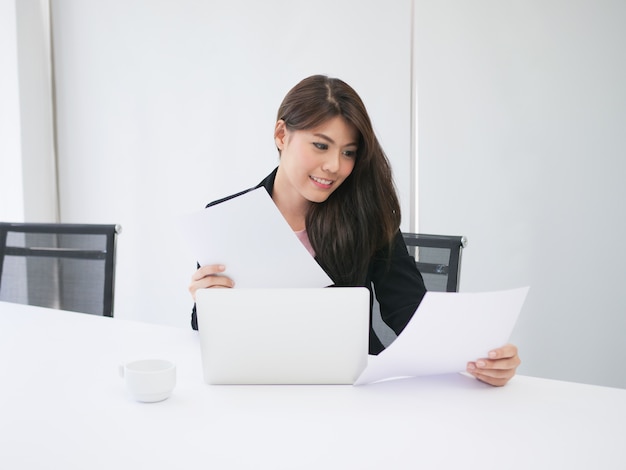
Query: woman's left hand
x=498, y=368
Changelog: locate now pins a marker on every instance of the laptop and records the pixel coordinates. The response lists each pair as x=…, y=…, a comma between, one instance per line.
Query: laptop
x=283, y=336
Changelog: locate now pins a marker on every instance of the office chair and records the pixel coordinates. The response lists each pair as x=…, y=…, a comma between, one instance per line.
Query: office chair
x=63, y=266
x=438, y=258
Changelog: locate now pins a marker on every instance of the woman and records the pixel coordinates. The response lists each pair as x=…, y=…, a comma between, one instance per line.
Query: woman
x=334, y=187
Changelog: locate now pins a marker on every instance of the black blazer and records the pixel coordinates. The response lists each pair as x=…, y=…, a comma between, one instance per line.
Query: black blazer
x=392, y=276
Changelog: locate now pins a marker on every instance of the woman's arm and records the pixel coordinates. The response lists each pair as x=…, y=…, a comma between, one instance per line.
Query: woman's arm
x=399, y=288
x=398, y=285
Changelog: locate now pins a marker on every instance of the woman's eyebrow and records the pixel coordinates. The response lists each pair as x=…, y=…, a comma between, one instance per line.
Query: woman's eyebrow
x=328, y=139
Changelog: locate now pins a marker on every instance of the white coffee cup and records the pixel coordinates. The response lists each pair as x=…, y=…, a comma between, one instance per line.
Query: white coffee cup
x=149, y=380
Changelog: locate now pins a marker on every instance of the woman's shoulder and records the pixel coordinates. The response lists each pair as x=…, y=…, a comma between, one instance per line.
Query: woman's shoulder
x=227, y=198
x=393, y=246
x=267, y=183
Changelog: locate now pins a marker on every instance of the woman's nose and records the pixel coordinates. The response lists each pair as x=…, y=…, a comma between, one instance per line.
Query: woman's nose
x=332, y=162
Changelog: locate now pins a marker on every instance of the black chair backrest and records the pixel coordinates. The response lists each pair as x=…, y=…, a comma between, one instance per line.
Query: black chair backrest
x=64, y=266
x=438, y=258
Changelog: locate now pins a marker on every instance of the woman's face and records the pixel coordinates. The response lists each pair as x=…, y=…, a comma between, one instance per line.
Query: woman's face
x=315, y=162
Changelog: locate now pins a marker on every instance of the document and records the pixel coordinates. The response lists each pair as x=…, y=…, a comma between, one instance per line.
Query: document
x=249, y=236
x=448, y=330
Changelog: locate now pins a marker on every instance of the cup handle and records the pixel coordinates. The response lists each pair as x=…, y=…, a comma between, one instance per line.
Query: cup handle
x=120, y=370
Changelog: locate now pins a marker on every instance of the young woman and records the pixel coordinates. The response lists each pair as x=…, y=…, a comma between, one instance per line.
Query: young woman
x=334, y=187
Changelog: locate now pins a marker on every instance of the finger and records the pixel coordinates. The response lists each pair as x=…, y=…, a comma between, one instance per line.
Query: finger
x=491, y=376
x=502, y=364
x=220, y=281
x=495, y=373
x=500, y=373
x=207, y=270
x=194, y=288
x=214, y=280
x=508, y=350
x=207, y=282
x=491, y=380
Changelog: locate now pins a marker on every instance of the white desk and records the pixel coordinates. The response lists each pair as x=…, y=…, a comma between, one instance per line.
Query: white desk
x=63, y=406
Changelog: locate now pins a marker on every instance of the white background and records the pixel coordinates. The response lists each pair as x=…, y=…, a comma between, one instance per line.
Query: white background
x=521, y=110
x=522, y=148
x=11, y=204
x=165, y=106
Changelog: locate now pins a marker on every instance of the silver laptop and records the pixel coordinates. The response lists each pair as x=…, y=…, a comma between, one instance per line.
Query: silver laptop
x=283, y=336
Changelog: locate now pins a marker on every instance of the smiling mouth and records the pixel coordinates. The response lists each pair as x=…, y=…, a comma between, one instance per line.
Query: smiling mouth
x=321, y=181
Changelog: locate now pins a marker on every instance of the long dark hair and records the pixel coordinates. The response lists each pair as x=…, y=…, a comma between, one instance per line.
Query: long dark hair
x=363, y=214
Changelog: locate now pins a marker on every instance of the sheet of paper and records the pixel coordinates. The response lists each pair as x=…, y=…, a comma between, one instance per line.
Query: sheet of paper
x=249, y=236
x=448, y=330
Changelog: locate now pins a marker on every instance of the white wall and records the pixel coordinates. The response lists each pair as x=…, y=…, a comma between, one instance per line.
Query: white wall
x=522, y=118
x=28, y=170
x=36, y=111
x=164, y=106
x=11, y=188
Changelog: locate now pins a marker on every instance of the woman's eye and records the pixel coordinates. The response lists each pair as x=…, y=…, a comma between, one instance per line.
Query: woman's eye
x=320, y=146
x=350, y=153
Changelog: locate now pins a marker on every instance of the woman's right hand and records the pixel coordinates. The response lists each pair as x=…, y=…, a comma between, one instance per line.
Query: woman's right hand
x=209, y=276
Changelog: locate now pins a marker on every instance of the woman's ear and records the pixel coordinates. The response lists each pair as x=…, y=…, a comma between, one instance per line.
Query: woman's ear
x=280, y=134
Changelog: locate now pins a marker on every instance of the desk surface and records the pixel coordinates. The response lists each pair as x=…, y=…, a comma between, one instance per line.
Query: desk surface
x=63, y=405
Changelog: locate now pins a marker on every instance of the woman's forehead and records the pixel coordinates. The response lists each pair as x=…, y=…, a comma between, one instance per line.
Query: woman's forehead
x=336, y=127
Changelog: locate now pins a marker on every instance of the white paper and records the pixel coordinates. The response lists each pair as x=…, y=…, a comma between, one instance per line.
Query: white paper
x=249, y=236
x=448, y=330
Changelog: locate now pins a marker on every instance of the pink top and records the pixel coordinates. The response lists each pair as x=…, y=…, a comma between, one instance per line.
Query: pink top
x=304, y=238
